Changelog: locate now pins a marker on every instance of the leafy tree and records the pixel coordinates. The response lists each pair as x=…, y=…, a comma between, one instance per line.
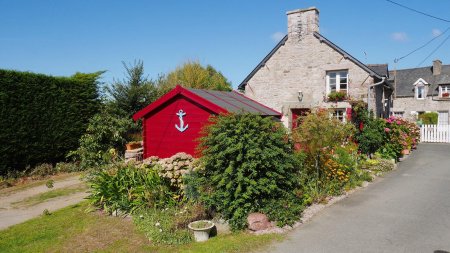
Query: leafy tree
x=249, y=166
x=132, y=93
x=193, y=75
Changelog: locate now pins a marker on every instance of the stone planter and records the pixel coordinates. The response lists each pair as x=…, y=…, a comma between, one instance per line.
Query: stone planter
x=201, y=229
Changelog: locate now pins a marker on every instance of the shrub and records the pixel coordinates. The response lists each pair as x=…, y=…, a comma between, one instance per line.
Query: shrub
x=248, y=162
x=125, y=188
x=105, y=131
x=42, y=117
x=429, y=118
x=42, y=171
x=372, y=136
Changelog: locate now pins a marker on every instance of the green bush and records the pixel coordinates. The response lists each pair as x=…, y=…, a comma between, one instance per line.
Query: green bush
x=42, y=117
x=372, y=136
x=429, y=118
x=124, y=188
x=105, y=132
x=248, y=162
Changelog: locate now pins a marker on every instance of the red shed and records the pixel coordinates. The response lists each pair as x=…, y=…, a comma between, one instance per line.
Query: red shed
x=172, y=123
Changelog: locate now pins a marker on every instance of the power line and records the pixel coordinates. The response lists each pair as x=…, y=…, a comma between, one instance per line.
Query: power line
x=424, y=45
x=442, y=43
x=420, y=12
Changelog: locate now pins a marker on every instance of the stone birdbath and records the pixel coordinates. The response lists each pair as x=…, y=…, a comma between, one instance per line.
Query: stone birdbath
x=201, y=229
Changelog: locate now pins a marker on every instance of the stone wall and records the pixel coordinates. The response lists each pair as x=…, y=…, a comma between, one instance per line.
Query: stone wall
x=407, y=105
x=301, y=65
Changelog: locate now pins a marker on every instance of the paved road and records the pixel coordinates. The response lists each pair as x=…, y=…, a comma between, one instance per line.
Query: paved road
x=407, y=211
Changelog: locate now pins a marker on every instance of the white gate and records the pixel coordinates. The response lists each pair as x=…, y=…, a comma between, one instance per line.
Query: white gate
x=435, y=133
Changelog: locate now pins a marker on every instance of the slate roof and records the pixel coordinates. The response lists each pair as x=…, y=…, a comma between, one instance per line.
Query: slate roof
x=380, y=69
x=215, y=101
x=235, y=102
x=377, y=72
x=407, y=77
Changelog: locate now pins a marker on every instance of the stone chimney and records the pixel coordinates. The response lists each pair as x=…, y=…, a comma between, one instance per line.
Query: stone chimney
x=302, y=22
x=437, y=67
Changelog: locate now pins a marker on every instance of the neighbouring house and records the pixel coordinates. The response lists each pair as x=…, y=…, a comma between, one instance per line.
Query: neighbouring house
x=172, y=123
x=421, y=90
x=306, y=70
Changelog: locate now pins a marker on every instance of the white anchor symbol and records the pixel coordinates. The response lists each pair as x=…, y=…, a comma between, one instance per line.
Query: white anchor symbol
x=181, y=128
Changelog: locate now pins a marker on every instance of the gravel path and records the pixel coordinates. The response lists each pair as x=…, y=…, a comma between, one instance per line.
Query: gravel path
x=10, y=215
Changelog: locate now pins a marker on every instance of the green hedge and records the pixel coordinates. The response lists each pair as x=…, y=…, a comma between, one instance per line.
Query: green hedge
x=42, y=117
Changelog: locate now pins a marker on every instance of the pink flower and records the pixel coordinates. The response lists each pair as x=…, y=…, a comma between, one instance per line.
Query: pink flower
x=387, y=130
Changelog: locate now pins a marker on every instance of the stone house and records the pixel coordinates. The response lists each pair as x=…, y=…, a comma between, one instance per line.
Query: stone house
x=421, y=90
x=304, y=68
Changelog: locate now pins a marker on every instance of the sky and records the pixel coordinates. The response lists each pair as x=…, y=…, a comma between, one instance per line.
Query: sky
x=61, y=38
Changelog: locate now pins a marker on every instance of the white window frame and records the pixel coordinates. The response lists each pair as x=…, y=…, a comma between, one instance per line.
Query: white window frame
x=444, y=89
x=420, y=83
x=420, y=90
x=339, y=114
x=338, y=75
x=442, y=121
x=400, y=114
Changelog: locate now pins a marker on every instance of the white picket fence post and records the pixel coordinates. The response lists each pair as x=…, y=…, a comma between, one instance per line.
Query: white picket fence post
x=435, y=133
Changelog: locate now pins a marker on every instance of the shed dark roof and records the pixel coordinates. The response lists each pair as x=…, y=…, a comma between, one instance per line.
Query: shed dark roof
x=380, y=69
x=372, y=72
x=405, y=79
x=235, y=102
x=215, y=101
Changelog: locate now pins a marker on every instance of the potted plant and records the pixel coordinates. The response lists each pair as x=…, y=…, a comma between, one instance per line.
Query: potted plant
x=201, y=229
x=445, y=95
x=133, y=145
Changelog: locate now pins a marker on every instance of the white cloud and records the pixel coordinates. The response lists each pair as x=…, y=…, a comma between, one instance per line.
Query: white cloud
x=436, y=32
x=399, y=36
x=277, y=36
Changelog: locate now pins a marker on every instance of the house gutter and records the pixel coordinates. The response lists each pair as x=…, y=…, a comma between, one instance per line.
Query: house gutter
x=383, y=79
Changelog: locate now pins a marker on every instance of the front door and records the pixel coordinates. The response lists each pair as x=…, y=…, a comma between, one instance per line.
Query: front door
x=297, y=115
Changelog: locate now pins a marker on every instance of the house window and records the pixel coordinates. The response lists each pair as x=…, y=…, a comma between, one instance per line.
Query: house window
x=444, y=91
x=339, y=114
x=337, y=81
x=443, y=118
x=398, y=114
x=420, y=92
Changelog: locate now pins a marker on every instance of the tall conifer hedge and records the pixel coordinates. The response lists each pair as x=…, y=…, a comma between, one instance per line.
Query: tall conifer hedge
x=42, y=117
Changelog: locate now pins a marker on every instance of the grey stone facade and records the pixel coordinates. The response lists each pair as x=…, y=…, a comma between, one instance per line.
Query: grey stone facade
x=299, y=64
x=406, y=102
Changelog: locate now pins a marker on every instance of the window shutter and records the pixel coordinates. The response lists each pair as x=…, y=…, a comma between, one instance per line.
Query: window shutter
x=349, y=114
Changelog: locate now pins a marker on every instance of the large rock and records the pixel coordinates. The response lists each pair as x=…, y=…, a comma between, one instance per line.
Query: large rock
x=258, y=221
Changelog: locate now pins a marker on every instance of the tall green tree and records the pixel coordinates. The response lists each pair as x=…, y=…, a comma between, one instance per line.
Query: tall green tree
x=134, y=92
x=193, y=75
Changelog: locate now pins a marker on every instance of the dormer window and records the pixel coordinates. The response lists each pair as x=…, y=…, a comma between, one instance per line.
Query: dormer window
x=444, y=91
x=419, y=88
x=420, y=92
x=337, y=81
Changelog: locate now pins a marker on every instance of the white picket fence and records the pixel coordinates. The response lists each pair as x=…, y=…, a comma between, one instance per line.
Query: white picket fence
x=435, y=133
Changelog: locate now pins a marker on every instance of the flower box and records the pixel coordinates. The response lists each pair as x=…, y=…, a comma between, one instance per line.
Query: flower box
x=445, y=95
x=337, y=96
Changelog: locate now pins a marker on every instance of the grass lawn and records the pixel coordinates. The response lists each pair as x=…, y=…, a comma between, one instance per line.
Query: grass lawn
x=72, y=229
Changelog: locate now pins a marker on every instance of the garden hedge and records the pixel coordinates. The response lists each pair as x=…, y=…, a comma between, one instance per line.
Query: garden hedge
x=42, y=117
